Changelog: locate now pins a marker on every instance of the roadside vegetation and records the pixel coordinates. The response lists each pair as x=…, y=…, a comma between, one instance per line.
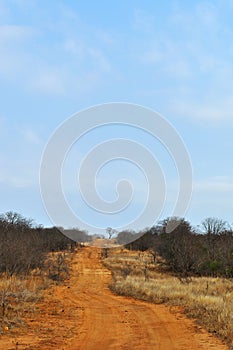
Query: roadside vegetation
x=170, y=263
x=32, y=258
x=184, y=268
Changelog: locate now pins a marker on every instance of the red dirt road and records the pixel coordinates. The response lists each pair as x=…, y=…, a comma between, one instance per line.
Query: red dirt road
x=85, y=315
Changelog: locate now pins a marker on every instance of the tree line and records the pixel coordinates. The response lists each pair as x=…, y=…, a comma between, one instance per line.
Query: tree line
x=207, y=251
x=183, y=249
x=24, y=246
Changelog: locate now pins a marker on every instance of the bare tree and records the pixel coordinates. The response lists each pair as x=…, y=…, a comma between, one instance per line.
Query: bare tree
x=111, y=232
x=13, y=219
x=213, y=227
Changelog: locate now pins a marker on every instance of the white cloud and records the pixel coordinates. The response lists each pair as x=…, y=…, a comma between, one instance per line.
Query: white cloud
x=143, y=20
x=214, y=110
x=14, y=34
x=17, y=174
x=54, y=58
x=193, y=51
x=74, y=47
x=214, y=185
x=198, y=18
x=206, y=14
x=15, y=60
x=48, y=81
x=31, y=137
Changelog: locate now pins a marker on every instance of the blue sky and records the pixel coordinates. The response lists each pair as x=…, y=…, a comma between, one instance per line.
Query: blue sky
x=59, y=57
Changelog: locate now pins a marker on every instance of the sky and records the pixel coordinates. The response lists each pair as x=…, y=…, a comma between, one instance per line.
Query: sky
x=60, y=57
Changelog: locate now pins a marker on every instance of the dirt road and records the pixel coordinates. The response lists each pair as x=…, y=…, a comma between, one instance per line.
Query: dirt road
x=85, y=315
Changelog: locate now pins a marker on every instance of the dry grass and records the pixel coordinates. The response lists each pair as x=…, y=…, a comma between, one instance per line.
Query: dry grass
x=19, y=295
x=57, y=266
x=208, y=300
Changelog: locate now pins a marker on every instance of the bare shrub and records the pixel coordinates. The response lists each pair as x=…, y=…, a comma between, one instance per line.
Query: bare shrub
x=58, y=268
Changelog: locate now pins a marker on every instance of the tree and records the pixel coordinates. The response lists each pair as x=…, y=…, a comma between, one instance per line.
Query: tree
x=15, y=220
x=125, y=237
x=213, y=227
x=111, y=232
x=178, y=246
x=225, y=248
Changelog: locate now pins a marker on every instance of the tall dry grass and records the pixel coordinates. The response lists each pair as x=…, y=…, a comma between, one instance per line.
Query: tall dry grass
x=18, y=298
x=208, y=300
x=19, y=294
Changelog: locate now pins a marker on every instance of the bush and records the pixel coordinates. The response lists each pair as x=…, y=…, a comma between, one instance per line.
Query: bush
x=24, y=247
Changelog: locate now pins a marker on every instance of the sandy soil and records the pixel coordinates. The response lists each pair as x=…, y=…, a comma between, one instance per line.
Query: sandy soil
x=85, y=315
